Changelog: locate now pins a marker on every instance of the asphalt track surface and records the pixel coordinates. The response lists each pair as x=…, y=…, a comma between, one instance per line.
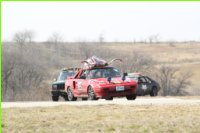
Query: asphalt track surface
x=116, y=101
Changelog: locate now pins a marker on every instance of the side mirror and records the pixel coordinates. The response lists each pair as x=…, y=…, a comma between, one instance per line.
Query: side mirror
x=55, y=79
x=125, y=74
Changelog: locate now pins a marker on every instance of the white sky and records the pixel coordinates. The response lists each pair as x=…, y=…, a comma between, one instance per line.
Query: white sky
x=117, y=21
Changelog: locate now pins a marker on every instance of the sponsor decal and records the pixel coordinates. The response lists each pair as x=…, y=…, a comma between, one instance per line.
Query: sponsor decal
x=144, y=87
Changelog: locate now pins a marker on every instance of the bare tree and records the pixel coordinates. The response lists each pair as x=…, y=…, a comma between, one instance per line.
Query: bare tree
x=166, y=75
x=21, y=74
x=55, y=38
x=182, y=82
x=23, y=37
x=8, y=64
x=30, y=35
x=172, y=81
x=20, y=38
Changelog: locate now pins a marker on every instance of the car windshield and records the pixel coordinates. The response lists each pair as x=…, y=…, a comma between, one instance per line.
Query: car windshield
x=64, y=75
x=103, y=73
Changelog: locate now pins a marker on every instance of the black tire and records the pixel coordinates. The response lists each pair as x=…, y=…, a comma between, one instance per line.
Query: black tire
x=55, y=98
x=91, y=94
x=66, y=97
x=84, y=99
x=70, y=95
x=131, y=97
x=154, y=92
x=110, y=98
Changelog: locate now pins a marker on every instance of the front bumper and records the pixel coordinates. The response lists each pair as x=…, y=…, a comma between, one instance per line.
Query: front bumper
x=58, y=93
x=111, y=92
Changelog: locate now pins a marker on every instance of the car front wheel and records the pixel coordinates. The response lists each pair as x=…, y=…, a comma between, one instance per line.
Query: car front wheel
x=131, y=97
x=70, y=95
x=55, y=98
x=91, y=94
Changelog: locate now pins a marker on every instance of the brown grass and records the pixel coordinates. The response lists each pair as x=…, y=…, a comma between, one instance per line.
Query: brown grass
x=180, y=53
x=103, y=119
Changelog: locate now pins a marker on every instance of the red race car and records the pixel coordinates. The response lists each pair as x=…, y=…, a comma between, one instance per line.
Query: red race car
x=98, y=80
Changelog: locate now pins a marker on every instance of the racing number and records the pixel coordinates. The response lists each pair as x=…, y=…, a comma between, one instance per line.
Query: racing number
x=144, y=87
x=79, y=85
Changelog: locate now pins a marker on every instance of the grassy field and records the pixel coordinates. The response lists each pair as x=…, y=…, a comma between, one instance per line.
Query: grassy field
x=103, y=119
x=164, y=53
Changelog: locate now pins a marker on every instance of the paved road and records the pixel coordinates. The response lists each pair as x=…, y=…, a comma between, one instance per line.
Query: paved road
x=117, y=101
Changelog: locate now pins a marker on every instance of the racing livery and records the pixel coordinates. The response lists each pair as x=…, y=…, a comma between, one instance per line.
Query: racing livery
x=99, y=81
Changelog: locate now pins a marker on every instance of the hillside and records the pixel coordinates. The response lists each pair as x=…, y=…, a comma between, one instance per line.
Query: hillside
x=44, y=61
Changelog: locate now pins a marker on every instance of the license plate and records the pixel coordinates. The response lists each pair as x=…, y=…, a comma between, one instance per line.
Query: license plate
x=119, y=88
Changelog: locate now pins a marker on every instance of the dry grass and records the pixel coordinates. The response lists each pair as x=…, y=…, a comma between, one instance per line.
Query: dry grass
x=179, y=53
x=103, y=118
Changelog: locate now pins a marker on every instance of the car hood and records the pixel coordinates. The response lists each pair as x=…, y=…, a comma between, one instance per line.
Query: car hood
x=117, y=80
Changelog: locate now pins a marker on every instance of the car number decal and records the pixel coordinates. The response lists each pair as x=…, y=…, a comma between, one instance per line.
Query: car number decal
x=144, y=87
x=79, y=86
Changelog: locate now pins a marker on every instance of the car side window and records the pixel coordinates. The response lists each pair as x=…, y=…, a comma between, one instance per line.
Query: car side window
x=83, y=75
x=148, y=80
x=142, y=80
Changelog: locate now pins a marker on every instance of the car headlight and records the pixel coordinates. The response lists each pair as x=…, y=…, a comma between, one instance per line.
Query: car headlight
x=54, y=87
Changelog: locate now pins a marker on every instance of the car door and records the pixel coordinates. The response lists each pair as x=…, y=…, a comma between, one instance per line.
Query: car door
x=149, y=85
x=82, y=84
x=142, y=86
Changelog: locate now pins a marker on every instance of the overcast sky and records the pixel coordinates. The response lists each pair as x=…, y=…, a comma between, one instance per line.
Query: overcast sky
x=116, y=21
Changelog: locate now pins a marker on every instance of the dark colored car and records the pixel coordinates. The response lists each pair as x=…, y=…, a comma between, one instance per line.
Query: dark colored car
x=146, y=85
x=58, y=86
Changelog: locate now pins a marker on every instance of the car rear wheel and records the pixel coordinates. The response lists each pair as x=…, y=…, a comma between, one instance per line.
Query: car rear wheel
x=91, y=94
x=154, y=92
x=110, y=98
x=70, y=95
x=131, y=97
x=55, y=98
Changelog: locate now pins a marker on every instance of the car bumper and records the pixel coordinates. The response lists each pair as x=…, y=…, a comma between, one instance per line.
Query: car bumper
x=58, y=93
x=111, y=92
